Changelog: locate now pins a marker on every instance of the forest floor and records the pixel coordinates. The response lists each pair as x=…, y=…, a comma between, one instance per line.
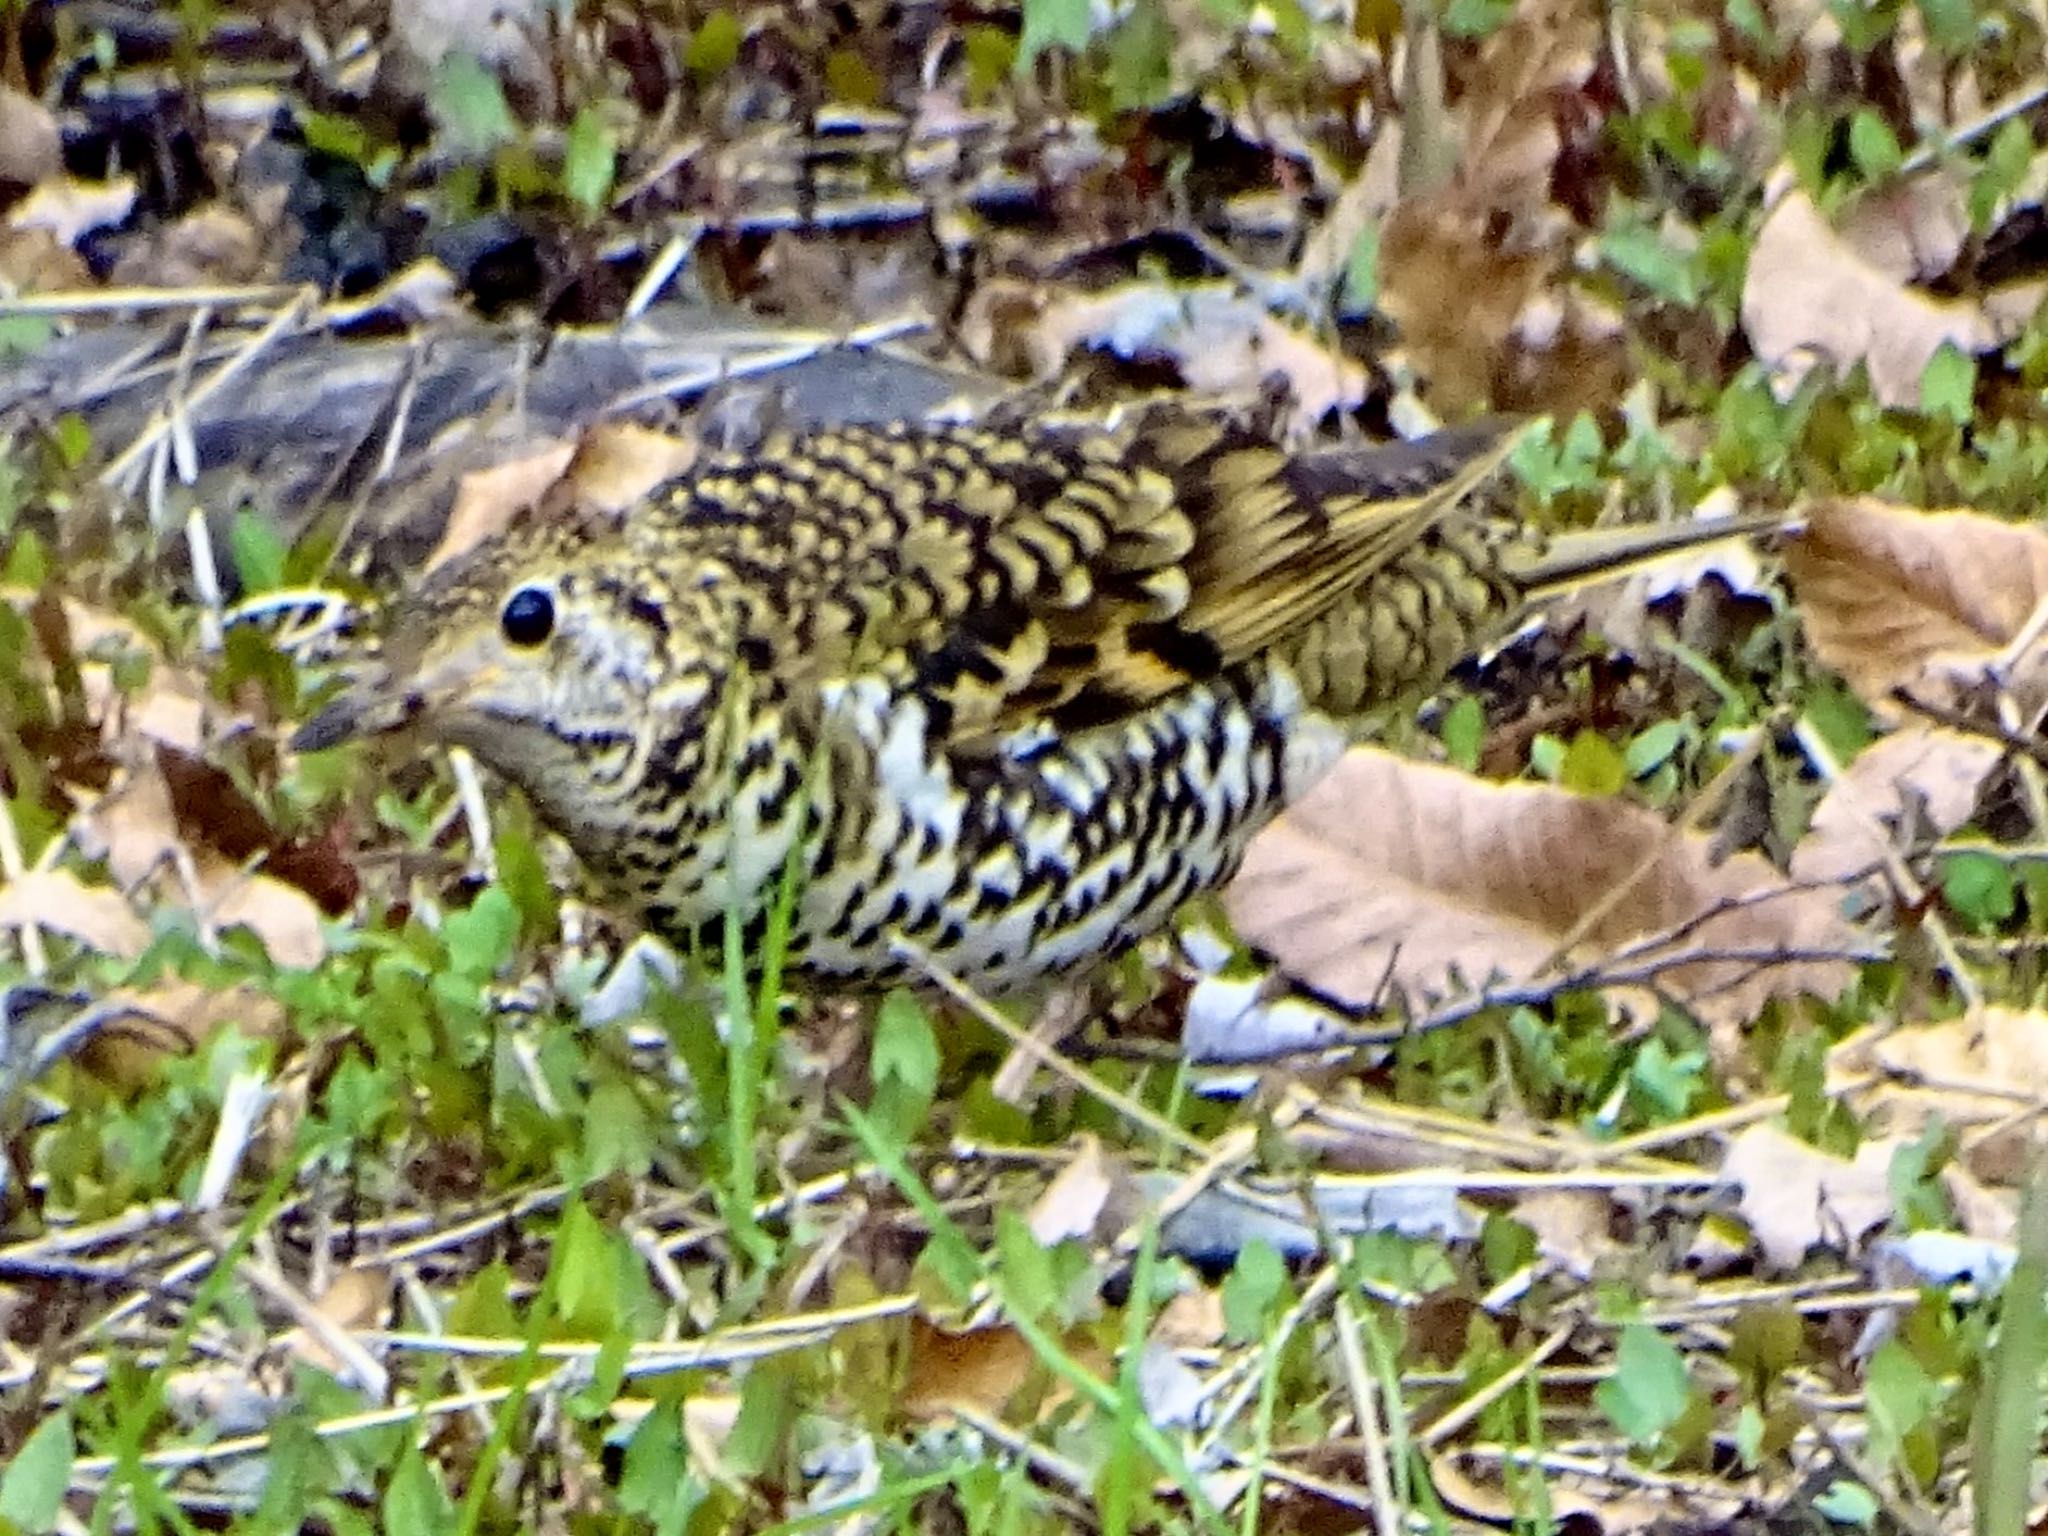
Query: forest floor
x=1641, y=1136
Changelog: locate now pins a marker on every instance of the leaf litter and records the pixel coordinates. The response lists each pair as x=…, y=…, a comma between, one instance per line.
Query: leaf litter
x=1564, y=1149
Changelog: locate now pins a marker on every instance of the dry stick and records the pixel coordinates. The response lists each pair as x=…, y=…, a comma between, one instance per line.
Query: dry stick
x=1823, y=759
x=118, y=472
x=1932, y=149
x=1053, y=1060
x=106, y=300
x=1365, y=1413
x=1468, y=1410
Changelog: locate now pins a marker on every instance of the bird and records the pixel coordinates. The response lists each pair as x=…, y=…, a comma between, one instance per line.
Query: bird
x=993, y=698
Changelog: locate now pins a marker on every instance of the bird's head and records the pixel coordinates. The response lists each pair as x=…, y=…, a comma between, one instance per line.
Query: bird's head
x=578, y=672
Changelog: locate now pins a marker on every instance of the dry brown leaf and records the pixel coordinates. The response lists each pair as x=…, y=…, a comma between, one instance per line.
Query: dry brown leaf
x=487, y=500
x=98, y=916
x=1795, y=1196
x=211, y=244
x=1967, y=1070
x=358, y=1298
x=1398, y=873
x=36, y=261
x=1221, y=340
x=618, y=463
x=147, y=1026
x=71, y=209
x=1074, y=1201
x=1921, y=778
x=1572, y=1227
x=1471, y=269
x=1191, y=1319
x=1812, y=297
x=1893, y=597
x=282, y=916
x=31, y=148
x=135, y=828
x=981, y=1368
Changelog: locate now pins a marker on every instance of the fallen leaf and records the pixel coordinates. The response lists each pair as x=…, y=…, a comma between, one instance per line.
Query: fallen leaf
x=1813, y=297
x=31, y=148
x=1972, y=1071
x=1921, y=779
x=486, y=500
x=982, y=1368
x=1893, y=597
x=144, y=1027
x=1395, y=873
x=617, y=464
x=1795, y=1196
x=358, y=1298
x=98, y=916
x=1572, y=1227
x=136, y=828
x=208, y=245
x=283, y=917
x=1074, y=1201
x=1221, y=340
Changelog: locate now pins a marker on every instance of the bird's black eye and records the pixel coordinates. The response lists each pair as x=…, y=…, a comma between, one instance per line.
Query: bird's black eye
x=529, y=617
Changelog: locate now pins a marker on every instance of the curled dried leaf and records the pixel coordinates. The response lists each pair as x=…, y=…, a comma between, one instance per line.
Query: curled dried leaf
x=1893, y=597
x=1393, y=873
x=1795, y=1196
x=1813, y=297
x=98, y=916
x=1918, y=781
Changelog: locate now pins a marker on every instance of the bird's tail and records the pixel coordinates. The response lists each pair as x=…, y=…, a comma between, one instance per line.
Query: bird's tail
x=1576, y=559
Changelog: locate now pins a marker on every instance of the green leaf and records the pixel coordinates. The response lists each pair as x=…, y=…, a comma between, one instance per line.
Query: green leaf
x=1030, y=1284
x=1642, y=253
x=1948, y=386
x=1873, y=147
x=1669, y=1082
x=1464, y=733
x=415, y=1499
x=1651, y=749
x=72, y=436
x=480, y=939
x=1901, y=1397
x=767, y=1411
x=1253, y=1290
x=1847, y=1503
x=658, y=1480
x=1951, y=24
x=1053, y=24
x=524, y=876
x=589, y=160
x=715, y=46
x=468, y=105
x=616, y=1135
x=1979, y=887
x=1649, y=1390
x=1592, y=766
x=905, y=1048
x=1476, y=18
x=258, y=552
x=33, y=1486
x=342, y=137
x=1361, y=287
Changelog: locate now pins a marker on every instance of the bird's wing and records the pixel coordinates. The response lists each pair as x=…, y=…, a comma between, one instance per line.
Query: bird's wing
x=1069, y=577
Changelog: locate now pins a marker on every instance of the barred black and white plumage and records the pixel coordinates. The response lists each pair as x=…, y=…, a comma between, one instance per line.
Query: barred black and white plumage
x=1011, y=695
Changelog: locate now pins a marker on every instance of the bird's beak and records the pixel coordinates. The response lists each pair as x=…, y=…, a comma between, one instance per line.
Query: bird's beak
x=369, y=706
x=377, y=703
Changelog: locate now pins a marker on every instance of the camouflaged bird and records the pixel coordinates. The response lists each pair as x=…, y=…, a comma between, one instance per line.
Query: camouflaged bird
x=1012, y=696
